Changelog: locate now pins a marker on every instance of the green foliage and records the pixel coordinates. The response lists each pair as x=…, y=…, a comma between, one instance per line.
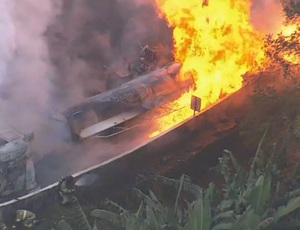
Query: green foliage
x=80, y=219
x=62, y=225
x=75, y=220
x=199, y=217
x=277, y=47
x=249, y=200
x=291, y=8
x=297, y=126
x=277, y=110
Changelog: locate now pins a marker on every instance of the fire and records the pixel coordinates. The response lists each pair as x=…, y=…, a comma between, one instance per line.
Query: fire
x=216, y=43
x=287, y=32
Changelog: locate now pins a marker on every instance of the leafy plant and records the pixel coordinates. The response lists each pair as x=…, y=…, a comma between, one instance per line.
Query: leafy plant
x=62, y=225
x=76, y=218
x=291, y=8
x=249, y=200
x=274, y=109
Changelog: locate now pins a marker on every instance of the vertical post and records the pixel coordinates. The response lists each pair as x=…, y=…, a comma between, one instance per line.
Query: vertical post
x=195, y=104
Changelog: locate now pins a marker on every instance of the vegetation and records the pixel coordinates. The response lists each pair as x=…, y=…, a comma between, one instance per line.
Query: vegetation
x=276, y=106
x=291, y=7
x=254, y=198
x=265, y=195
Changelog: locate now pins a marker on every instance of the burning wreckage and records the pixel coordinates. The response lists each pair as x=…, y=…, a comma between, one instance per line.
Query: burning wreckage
x=17, y=172
x=106, y=113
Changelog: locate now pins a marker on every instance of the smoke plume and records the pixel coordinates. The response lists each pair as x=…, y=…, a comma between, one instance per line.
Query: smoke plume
x=267, y=15
x=52, y=56
x=90, y=34
x=7, y=33
x=25, y=69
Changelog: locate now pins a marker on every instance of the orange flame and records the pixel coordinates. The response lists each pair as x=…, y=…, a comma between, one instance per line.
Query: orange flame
x=216, y=43
x=287, y=31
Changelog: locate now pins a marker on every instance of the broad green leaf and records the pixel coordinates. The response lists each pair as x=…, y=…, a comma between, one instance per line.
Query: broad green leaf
x=162, y=213
x=223, y=215
x=297, y=127
x=235, y=163
x=252, y=172
x=291, y=206
x=248, y=219
x=139, y=213
x=151, y=219
x=170, y=218
x=210, y=191
x=147, y=200
x=155, y=199
x=200, y=214
x=178, y=193
x=95, y=227
x=187, y=185
x=264, y=224
x=236, y=185
x=293, y=194
x=133, y=223
x=115, y=206
x=225, y=169
x=81, y=218
x=64, y=225
x=108, y=216
x=222, y=226
x=225, y=205
x=293, y=224
x=261, y=194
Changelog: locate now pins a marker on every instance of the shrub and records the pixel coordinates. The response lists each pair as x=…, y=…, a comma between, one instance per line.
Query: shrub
x=249, y=200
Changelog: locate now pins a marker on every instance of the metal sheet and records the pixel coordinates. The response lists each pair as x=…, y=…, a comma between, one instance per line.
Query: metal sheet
x=109, y=123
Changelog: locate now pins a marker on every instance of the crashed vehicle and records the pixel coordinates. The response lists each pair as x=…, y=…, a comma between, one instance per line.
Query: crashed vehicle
x=147, y=62
x=17, y=173
x=104, y=113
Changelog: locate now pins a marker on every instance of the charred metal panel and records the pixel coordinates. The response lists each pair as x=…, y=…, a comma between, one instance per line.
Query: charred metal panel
x=145, y=92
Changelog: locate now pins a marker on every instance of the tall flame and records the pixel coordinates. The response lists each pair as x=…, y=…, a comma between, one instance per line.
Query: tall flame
x=216, y=43
x=291, y=55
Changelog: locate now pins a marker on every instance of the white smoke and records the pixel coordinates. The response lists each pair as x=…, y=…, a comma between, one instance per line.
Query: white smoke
x=7, y=32
x=25, y=68
x=267, y=15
